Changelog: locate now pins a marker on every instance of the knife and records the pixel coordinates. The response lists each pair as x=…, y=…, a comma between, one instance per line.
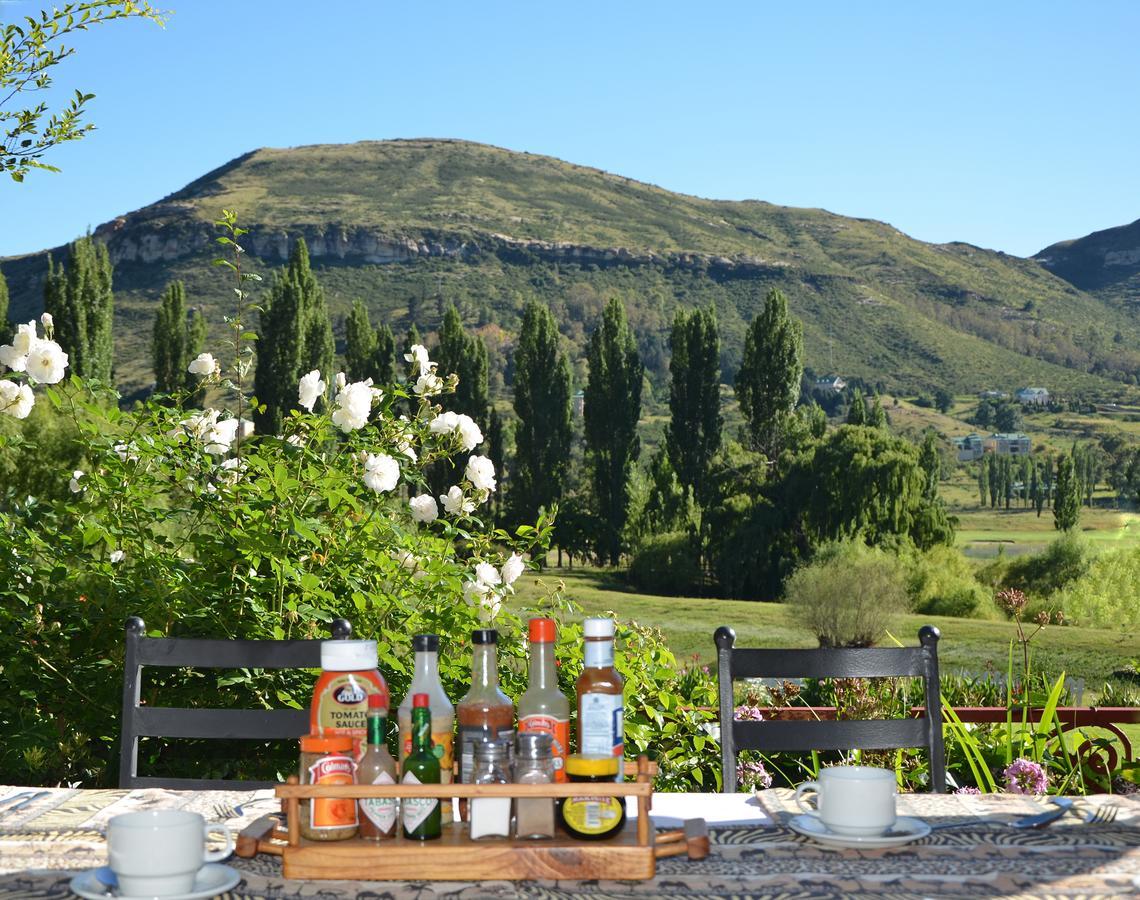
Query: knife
x=1040, y=820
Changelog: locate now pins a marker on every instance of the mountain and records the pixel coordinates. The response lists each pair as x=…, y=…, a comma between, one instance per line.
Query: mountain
x=409, y=224
x=1105, y=263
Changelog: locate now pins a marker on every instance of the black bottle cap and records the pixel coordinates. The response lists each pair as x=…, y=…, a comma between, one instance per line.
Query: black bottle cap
x=485, y=636
x=428, y=642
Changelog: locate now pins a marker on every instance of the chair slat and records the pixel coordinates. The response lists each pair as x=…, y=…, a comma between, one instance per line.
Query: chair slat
x=878, y=734
x=214, y=654
x=199, y=784
x=220, y=724
x=862, y=663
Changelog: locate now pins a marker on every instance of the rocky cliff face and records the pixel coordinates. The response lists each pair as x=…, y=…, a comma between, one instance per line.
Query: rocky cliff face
x=1106, y=260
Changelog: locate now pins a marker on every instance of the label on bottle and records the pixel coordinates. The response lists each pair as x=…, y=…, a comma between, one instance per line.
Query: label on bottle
x=327, y=813
x=599, y=654
x=469, y=736
x=381, y=811
x=340, y=706
x=592, y=815
x=559, y=731
x=416, y=809
x=601, y=729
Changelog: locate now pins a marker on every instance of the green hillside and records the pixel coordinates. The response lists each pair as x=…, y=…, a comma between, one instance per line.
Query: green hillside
x=408, y=225
x=1106, y=263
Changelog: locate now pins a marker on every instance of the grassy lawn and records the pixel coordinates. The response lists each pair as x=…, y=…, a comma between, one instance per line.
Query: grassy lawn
x=967, y=644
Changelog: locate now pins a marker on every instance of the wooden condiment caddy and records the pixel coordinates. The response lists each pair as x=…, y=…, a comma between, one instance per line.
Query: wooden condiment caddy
x=630, y=855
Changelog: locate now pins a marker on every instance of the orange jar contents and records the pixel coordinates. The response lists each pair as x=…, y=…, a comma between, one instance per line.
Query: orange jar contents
x=325, y=761
x=340, y=698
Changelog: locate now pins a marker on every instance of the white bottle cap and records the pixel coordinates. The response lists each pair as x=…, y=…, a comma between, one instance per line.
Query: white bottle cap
x=595, y=628
x=348, y=656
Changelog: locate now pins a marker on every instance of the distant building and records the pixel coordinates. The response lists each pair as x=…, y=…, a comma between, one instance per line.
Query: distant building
x=1012, y=444
x=830, y=383
x=1033, y=396
x=969, y=447
x=994, y=395
x=578, y=403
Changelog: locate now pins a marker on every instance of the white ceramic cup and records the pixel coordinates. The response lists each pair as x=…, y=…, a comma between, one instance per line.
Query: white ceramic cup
x=158, y=852
x=854, y=800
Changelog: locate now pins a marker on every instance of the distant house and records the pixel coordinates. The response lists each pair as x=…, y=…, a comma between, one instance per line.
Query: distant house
x=830, y=383
x=1011, y=444
x=578, y=403
x=994, y=395
x=1033, y=396
x=969, y=447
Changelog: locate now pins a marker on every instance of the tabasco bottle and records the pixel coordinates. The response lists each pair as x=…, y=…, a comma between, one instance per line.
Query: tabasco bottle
x=378, y=814
x=601, y=728
x=421, y=815
x=543, y=707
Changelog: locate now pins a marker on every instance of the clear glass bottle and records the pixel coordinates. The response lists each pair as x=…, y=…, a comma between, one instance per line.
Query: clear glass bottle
x=377, y=815
x=543, y=707
x=491, y=816
x=485, y=713
x=425, y=680
x=601, y=712
x=534, y=764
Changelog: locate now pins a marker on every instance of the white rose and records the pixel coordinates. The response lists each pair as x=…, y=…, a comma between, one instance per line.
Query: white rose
x=481, y=473
x=474, y=591
x=470, y=436
x=419, y=356
x=353, y=406
x=25, y=338
x=46, y=362
x=204, y=366
x=232, y=470
x=16, y=400
x=244, y=429
x=487, y=574
x=311, y=389
x=428, y=385
x=13, y=358
x=341, y=381
x=424, y=508
x=381, y=473
x=126, y=452
x=116, y=555
x=220, y=436
x=454, y=503
x=47, y=321
x=444, y=423
x=74, y=484
x=512, y=569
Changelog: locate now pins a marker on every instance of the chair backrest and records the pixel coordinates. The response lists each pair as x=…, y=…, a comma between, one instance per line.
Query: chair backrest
x=218, y=724
x=783, y=735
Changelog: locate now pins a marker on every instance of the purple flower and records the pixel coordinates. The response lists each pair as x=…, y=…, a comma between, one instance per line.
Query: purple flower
x=753, y=776
x=1023, y=776
x=967, y=790
x=748, y=713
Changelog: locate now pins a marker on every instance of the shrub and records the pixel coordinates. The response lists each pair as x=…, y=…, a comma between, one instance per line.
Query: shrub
x=1040, y=575
x=666, y=564
x=1104, y=596
x=941, y=582
x=849, y=594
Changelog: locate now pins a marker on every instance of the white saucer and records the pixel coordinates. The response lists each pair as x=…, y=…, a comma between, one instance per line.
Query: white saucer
x=905, y=830
x=212, y=879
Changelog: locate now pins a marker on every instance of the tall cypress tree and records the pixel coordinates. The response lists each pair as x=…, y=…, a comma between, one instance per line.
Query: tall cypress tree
x=464, y=355
x=384, y=357
x=542, y=404
x=693, y=435
x=857, y=413
x=295, y=337
x=877, y=416
x=613, y=407
x=931, y=463
x=5, y=326
x=177, y=338
x=496, y=453
x=359, y=343
x=80, y=299
x=768, y=383
x=1066, y=496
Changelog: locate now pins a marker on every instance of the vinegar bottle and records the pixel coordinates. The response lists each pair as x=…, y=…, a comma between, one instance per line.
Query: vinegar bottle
x=425, y=680
x=601, y=729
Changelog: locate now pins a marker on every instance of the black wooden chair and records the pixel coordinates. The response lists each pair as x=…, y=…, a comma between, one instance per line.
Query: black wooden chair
x=791, y=735
x=217, y=724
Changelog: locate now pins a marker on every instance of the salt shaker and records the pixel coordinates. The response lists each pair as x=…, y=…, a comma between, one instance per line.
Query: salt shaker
x=534, y=764
x=491, y=816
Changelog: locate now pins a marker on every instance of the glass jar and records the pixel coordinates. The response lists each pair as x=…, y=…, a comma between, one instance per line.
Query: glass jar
x=592, y=818
x=534, y=764
x=491, y=816
x=327, y=761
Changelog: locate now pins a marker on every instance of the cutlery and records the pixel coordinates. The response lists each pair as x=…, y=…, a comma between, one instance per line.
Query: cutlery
x=1063, y=804
x=26, y=799
x=1102, y=815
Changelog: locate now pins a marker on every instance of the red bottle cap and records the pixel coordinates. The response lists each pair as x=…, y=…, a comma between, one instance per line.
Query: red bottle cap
x=419, y=700
x=375, y=701
x=543, y=631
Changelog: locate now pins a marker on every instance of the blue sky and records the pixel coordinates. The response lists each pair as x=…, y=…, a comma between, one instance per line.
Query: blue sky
x=1009, y=125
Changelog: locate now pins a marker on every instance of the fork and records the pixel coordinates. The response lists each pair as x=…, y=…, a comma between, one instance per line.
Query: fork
x=1101, y=815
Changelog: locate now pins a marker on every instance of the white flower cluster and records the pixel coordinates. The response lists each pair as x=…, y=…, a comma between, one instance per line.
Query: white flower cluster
x=449, y=423
x=217, y=436
x=353, y=402
x=41, y=359
x=489, y=584
x=428, y=384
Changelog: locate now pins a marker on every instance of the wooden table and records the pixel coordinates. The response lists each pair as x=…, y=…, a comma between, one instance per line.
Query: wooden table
x=754, y=854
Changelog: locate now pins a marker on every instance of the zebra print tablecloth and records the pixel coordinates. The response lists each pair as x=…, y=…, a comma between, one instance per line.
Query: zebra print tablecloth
x=57, y=832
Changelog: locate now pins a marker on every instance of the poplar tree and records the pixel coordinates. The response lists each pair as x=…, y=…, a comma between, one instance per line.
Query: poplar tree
x=857, y=413
x=877, y=417
x=5, y=326
x=983, y=482
x=464, y=355
x=79, y=297
x=359, y=343
x=1066, y=496
x=693, y=435
x=612, y=409
x=295, y=337
x=768, y=383
x=175, y=341
x=542, y=404
x=931, y=464
x=496, y=453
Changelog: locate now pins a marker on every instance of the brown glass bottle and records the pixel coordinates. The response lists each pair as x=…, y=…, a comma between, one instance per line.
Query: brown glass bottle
x=601, y=730
x=485, y=713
